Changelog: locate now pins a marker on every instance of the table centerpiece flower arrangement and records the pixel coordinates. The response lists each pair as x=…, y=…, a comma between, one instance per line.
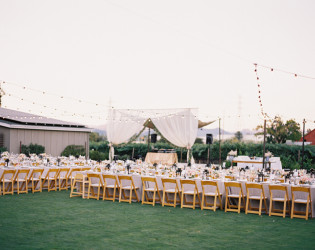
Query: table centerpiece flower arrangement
x=232, y=154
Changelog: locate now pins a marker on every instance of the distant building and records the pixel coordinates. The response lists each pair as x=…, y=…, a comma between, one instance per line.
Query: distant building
x=19, y=128
x=309, y=137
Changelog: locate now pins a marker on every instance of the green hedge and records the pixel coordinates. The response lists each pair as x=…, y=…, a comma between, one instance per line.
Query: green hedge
x=32, y=149
x=287, y=153
x=74, y=150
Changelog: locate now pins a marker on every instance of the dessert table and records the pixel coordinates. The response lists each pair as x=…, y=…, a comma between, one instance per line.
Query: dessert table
x=163, y=158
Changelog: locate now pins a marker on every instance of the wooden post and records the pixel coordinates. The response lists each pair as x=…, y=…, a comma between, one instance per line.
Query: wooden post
x=181, y=155
x=264, y=148
x=220, y=141
x=149, y=140
x=302, y=165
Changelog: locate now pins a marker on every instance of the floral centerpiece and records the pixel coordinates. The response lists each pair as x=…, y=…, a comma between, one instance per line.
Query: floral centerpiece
x=268, y=155
x=305, y=180
x=232, y=154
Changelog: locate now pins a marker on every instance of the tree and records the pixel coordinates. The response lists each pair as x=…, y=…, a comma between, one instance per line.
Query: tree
x=280, y=132
x=199, y=141
x=97, y=137
x=294, y=130
x=238, y=135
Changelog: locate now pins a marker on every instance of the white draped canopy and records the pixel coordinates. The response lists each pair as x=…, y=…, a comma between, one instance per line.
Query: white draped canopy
x=178, y=126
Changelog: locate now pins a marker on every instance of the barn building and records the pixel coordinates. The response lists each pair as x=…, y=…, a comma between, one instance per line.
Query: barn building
x=20, y=128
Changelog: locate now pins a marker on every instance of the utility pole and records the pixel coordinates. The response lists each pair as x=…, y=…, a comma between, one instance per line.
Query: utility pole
x=149, y=141
x=302, y=165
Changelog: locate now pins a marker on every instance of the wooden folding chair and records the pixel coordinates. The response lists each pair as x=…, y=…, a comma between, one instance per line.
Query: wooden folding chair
x=36, y=179
x=77, y=187
x=216, y=195
x=229, y=177
x=22, y=178
x=262, y=198
x=62, y=178
x=147, y=189
x=85, y=168
x=130, y=187
x=230, y=194
x=95, y=181
x=284, y=199
x=195, y=193
x=71, y=175
x=304, y=191
x=170, y=186
x=115, y=187
x=7, y=178
x=50, y=180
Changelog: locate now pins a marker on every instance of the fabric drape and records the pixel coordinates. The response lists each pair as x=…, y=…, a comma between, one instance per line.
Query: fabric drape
x=180, y=128
x=121, y=127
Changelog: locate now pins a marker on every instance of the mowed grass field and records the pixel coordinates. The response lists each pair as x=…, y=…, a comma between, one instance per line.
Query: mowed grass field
x=55, y=221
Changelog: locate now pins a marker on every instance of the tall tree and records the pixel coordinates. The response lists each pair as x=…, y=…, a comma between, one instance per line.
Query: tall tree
x=238, y=135
x=280, y=132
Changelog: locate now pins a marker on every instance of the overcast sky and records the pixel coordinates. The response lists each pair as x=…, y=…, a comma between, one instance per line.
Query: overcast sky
x=158, y=54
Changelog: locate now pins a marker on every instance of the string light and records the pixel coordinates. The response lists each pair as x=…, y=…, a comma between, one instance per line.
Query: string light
x=259, y=93
x=52, y=94
x=284, y=71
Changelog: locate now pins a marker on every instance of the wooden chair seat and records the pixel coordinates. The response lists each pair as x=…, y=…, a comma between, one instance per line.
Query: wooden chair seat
x=51, y=179
x=170, y=190
x=284, y=199
x=130, y=186
x=114, y=187
x=36, y=180
x=305, y=191
x=217, y=195
x=63, y=178
x=7, y=180
x=195, y=193
x=99, y=185
x=250, y=187
x=77, y=187
x=147, y=189
x=230, y=194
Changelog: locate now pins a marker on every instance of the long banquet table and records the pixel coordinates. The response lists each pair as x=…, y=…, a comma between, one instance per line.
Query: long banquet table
x=138, y=183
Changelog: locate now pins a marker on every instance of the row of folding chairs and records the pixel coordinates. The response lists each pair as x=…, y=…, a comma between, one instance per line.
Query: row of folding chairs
x=110, y=187
x=21, y=180
x=235, y=200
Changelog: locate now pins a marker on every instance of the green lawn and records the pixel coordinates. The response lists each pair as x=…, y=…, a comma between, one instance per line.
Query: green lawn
x=55, y=221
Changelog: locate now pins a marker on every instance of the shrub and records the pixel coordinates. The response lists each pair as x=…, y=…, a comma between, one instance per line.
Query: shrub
x=32, y=149
x=97, y=156
x=73, y=150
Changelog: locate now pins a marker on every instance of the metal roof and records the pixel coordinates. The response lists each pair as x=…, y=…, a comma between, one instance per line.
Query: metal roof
x=16, y=117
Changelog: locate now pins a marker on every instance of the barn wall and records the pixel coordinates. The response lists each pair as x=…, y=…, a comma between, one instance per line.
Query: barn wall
x=53, y=141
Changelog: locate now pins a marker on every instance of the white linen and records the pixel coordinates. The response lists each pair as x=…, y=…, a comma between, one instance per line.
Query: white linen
x=121, y=126
x=180, y=128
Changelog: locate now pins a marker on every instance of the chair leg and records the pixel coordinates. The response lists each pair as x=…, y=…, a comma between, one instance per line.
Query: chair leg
x=270, y=205
x=130, y=196
x=153, y=198
x=215, y=203
x=142, y=195
x=239, y=204
x=202, y=200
